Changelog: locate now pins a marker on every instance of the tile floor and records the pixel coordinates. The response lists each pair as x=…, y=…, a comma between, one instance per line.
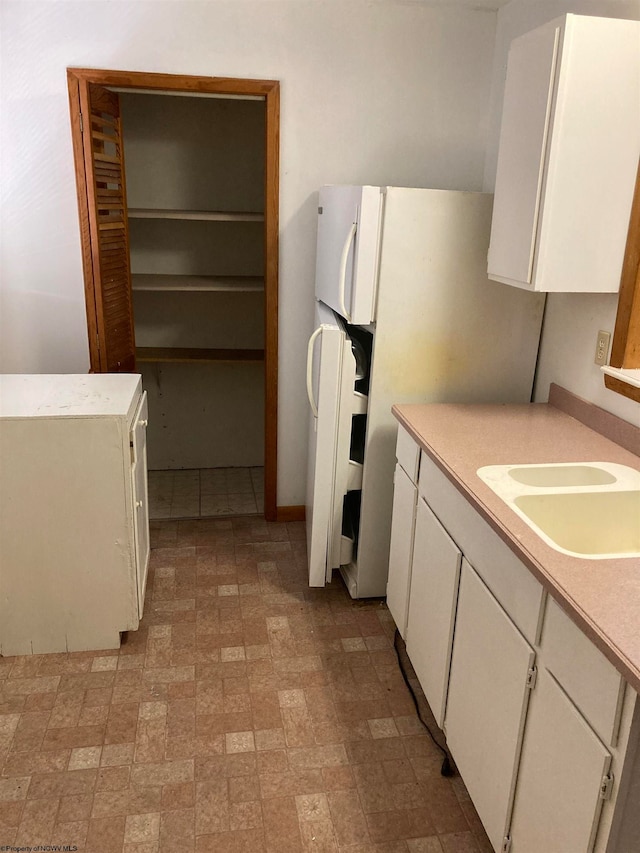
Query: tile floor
x=247, y=714
x=206, y=492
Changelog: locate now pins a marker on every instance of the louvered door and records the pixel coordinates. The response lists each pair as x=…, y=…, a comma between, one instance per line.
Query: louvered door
x=105, y=212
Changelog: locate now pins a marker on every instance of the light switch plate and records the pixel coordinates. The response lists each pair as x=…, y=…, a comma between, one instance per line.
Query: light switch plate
x=602, y=347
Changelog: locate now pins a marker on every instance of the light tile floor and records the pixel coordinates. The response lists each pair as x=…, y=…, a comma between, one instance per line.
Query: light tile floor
x=206, y=492
x=248, y=714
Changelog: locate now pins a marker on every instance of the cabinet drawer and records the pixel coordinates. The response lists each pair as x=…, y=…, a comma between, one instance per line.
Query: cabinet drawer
x=407, y=453
x=588, y=678
x=509, y=580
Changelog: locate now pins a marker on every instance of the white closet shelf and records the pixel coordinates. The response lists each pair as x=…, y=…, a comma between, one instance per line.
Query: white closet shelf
x=226, y=283
x=197, y=354
x=201, y=215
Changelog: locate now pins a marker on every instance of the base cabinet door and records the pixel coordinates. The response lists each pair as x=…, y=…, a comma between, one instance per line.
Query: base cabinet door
x=563, y=768
x=435, y=575
x=138, y=442
x=487, y=703
x=405, y=495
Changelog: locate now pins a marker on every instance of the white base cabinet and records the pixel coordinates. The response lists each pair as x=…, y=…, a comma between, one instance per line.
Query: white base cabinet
x=544, y=730
x=487, y=702
x=432, y=607
x=563, y=772
x=405, y=497
x=74, y=526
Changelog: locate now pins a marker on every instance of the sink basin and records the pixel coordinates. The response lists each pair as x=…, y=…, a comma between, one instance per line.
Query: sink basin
x=562, y=475
x=587, y=523
x=586, y=509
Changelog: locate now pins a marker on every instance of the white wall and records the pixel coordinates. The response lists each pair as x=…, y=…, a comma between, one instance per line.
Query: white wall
x=381, y=93
x=572, y=321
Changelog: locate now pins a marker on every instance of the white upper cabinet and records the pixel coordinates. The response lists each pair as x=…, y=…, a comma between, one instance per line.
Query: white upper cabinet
x=569, y=147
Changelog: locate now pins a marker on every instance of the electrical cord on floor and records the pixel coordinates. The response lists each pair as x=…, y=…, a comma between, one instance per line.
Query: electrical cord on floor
x=446, y=769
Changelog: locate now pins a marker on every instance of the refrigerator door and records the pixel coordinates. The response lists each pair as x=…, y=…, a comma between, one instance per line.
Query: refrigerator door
x=349, y=221
x=330, y=388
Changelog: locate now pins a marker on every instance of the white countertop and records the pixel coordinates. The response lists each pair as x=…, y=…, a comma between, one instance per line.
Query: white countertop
x=68, y=395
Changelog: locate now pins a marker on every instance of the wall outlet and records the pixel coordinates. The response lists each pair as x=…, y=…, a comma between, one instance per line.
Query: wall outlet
x=602, y=347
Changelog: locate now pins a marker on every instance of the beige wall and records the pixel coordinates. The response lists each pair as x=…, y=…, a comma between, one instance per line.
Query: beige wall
x=372, y=92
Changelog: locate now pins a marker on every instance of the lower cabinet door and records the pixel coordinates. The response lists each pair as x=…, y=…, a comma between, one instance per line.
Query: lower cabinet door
x=140, y=498
x=405, y=494
x=487, y=702
x=562, y=770
x=435, y=574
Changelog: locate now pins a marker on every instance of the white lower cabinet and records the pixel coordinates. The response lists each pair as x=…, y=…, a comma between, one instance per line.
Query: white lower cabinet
x=74, y=523
x=563, y=770
x=543, y=729
x=432, y=606
x=140, y=492
x=487, y=702
x=405, y=496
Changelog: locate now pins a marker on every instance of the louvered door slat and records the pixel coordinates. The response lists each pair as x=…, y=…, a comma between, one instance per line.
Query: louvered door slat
x=107, y=209
x=107, y=137
x=115, y=277
x=109, y=171
x=105, y=176
x=116, y=263
x=108, y=226
x=105, y=158
x=103, y=121
x=110, y=276
x=114, y=281
x=110, y=248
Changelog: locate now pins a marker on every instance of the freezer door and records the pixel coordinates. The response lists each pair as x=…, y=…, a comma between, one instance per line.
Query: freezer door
x=330, y=388
x=349, y=223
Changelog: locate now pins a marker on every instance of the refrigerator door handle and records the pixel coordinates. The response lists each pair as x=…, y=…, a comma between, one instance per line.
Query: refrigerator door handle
x=343, y=271
x=312, y=402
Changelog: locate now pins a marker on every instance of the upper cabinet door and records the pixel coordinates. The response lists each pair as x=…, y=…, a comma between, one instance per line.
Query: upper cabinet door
x=102, y=199
x=569, y=147
x=523, y=139
x=348, y=250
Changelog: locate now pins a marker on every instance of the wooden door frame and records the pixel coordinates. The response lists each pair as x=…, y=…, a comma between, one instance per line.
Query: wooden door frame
x=270, y=91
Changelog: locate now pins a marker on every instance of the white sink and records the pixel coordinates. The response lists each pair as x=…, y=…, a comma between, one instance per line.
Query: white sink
x=562, y=475
x=589, y=510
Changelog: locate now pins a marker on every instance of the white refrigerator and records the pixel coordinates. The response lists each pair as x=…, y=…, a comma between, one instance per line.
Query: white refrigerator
x=405, y=313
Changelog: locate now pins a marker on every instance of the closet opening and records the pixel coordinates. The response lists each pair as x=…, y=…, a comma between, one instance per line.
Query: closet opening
x=178, y=195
